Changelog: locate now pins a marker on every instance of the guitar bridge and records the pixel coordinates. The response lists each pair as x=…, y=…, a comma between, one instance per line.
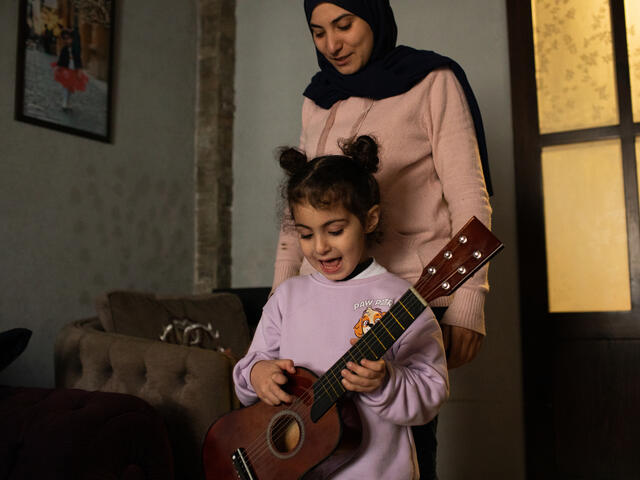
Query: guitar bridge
x=242, y=465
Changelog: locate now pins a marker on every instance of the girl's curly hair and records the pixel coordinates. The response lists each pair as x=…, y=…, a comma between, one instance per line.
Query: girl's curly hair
x=325, y=181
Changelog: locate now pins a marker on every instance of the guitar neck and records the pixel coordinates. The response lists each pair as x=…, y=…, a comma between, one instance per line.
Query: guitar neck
x=382, y=335
x=458, y=260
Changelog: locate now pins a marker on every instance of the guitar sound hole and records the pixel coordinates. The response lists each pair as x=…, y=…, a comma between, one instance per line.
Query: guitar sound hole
x=285, y=434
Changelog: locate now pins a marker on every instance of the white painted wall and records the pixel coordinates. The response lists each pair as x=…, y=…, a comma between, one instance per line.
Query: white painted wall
x=481, y=427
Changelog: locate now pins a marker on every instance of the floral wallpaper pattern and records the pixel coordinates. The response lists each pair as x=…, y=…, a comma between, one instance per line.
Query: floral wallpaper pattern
x=632, y=16
x=574, y=64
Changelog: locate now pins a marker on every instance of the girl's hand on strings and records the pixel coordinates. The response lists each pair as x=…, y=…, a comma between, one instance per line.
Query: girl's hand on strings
x=267, y=377
x=366, y=377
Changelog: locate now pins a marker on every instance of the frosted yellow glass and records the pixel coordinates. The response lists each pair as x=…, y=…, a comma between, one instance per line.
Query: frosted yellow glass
x=574, y=64
x=585, y=227
x=632, y=15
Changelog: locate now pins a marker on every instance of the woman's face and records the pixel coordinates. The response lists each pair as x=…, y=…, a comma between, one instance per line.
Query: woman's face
x=345, y=40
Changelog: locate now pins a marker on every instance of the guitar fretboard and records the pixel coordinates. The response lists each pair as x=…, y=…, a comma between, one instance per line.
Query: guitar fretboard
x=328, y=388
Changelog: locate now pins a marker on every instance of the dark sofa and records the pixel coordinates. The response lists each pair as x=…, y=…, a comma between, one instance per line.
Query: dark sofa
x=74, y=434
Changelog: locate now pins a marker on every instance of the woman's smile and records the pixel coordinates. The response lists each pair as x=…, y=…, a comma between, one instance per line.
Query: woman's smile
x=342, y=61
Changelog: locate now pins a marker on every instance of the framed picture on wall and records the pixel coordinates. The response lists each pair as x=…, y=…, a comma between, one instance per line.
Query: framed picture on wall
x=64, y=75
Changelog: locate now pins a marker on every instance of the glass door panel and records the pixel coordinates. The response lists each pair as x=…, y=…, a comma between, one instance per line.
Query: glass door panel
x=632, y=16
x=574, y=64
x=585, y=227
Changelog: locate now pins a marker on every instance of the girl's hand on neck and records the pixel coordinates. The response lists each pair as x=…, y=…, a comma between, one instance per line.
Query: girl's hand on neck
x=367, y=377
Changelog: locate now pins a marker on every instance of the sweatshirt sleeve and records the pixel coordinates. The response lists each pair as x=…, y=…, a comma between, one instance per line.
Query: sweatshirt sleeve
x=264, y=346
x=418, y=382
x=457, y=162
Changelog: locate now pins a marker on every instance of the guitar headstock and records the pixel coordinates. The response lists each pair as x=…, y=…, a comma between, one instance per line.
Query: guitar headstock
x=467, y=251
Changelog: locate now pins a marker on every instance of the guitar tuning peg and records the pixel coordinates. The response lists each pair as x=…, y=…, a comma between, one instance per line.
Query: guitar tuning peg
x=446, y=286
x=448, y=255
x=462, y=270
x=477, y=255
x=431, y=270
x=462, y=239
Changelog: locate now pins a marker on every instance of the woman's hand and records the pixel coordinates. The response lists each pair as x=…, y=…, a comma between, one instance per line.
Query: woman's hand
x=366, y=377
x=461, y=345
x=266, y=378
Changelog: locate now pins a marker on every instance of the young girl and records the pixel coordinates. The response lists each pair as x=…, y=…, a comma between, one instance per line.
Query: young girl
x=312, y=320
x=67, y=70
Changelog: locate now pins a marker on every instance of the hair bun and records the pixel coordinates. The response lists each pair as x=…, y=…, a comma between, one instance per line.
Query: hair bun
x=363, y=150
x=292, y=160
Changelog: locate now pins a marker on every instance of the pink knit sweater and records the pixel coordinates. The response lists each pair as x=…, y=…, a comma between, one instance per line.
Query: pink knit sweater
x=431, y=181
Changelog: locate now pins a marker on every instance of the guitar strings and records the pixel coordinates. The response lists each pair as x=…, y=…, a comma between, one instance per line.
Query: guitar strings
x=259, y=447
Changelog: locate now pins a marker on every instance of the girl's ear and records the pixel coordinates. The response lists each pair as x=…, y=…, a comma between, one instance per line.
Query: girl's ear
x=373, y=217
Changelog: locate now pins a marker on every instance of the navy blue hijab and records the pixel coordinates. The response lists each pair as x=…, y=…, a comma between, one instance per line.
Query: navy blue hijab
x=391, y=70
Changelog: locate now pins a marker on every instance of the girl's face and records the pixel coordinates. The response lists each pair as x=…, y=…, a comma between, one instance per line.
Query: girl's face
x=333, y=240
x=345, y=40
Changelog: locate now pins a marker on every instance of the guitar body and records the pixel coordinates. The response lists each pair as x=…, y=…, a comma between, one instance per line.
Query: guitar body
x=281, y=442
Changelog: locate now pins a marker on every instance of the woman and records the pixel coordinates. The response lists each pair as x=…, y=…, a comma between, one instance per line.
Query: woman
x=434, y=175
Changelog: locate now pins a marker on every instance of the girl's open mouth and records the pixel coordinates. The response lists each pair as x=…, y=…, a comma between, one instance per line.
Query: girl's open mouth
x=331, y=266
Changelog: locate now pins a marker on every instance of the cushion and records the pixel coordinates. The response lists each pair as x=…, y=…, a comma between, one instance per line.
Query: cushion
x=12, y=343
x=147, y=315
x=75, y=434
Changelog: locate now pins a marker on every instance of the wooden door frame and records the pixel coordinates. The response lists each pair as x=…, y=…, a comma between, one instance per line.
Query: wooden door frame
x=530, y=234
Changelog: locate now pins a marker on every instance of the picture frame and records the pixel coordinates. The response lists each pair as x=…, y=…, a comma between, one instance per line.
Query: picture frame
x=64, y=73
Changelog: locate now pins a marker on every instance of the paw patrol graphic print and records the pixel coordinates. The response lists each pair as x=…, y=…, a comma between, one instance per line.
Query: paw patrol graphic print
x=371, y=311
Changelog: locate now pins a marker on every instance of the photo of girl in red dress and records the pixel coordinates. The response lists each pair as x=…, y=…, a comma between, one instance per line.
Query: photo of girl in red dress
x=65, y=65
x=68, y=68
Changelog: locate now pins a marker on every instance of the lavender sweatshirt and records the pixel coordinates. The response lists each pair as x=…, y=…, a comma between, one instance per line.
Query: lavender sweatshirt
x=431, y=181
x=310, y=320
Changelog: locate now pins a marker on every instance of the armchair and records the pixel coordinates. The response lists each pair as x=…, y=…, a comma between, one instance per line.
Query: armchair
x=189, y=386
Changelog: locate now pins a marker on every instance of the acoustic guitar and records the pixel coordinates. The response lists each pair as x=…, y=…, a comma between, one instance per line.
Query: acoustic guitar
x=320, y=430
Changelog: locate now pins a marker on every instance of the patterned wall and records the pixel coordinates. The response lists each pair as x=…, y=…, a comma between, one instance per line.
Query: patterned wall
x=574, y=64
